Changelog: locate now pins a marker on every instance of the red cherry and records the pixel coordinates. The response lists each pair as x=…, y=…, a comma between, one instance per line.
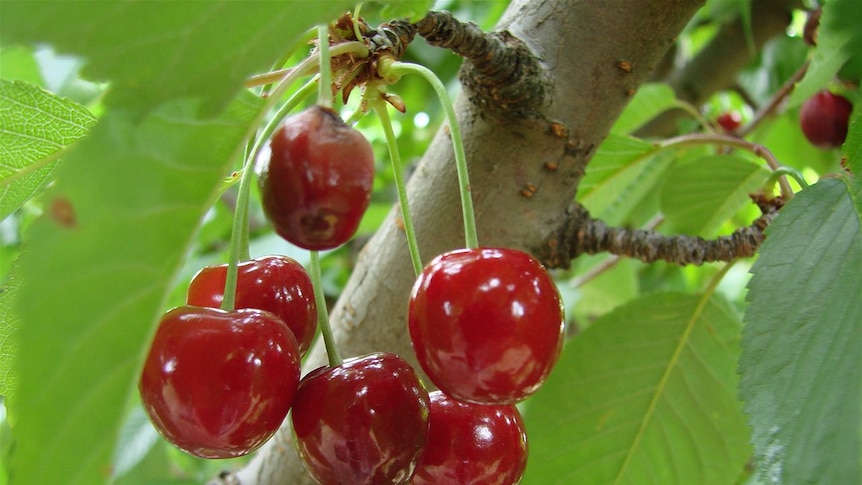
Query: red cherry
x=486, y=324
x=472, y=443
x=317, y=182
x=729, y=121
x=824, y=119
x=218, y=384
x=277, y=284
x=362, y=422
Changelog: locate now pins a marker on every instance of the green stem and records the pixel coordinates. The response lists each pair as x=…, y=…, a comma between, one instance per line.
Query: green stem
x=784, y=170
x=324, y=93
x=322, y=313
x=398, y=69
x=308, y=66
x=395, y=158
x=239, y=233
x=238, y=236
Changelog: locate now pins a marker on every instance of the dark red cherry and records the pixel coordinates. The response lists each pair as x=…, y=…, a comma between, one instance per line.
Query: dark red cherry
x=317, y=183
x=486, y=324
x=824, y=119
x=477, y=444
x=362, y=422
x=277, y=284
x=729, y=121
x=218, y=384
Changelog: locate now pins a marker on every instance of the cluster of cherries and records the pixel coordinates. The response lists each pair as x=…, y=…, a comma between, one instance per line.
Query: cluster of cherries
x=486, y=325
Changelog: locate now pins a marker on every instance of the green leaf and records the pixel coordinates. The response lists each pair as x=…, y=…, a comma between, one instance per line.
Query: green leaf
x=157, y=51
x=646, y=395
x=852, y=151
x=839, y=41
x=802, y=343
x=8, y=339
x=35, y=126
x=650, y=101
x=619, y=176
x=700, y=194
x=100, y=265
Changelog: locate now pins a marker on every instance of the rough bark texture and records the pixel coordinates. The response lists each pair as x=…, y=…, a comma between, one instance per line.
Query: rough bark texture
x=524, y=172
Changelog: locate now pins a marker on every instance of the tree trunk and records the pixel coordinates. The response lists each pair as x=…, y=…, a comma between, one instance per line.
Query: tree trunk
x=524, y=172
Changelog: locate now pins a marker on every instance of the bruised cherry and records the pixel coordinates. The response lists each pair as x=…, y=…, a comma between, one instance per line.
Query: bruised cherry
x=470, y=443
x=277, y=284
x=218, y=384
x=362, y=422
x=317, y=182
x=486, y=324
x=824, y=119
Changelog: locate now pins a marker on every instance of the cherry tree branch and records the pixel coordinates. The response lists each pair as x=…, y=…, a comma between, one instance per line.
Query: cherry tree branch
x=582, y=234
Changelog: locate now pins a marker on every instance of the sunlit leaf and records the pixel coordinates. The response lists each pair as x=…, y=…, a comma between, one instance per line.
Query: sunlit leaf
x=839, y=41
x=650, y=101
x=620, y=174
x=802, y=344
x=34, y=126
x=156, y=51
x=700, y=194
x=100, y=263
x=646, y=395
x=8, y=343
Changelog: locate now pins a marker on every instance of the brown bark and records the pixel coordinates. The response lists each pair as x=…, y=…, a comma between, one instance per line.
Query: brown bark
x=524, y=171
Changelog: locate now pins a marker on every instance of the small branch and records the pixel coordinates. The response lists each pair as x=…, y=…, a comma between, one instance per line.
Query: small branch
x=611, y=261
x=717, y=139
x=503, y=77
x=775, y=102
x=582, y=234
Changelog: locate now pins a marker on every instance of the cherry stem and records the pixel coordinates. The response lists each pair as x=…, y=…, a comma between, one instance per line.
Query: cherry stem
x=398, y=69
x=308, y=66
x=324, y=90
x=239, y=232
x=717, y=139
x=322, y=313
x=398, y=172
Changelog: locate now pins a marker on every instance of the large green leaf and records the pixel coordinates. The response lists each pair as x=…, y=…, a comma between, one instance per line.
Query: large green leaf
x=119, y=221
x=802, y=343
x=619, y=176
x=646, y=395
x=700, y=194
x=35, y=126
x=839, y=42
x=156, y=51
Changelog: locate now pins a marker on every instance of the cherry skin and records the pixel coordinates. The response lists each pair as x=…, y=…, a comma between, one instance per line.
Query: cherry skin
x=277, y=284
x=317, y=182
x=472, y=443
x=362, y=422
x=824, y=119
x=486, y=324
x=729, y=121
x=218, y=384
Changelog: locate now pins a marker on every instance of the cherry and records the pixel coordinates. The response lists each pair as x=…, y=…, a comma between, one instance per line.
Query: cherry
x=218, y=384
x=362, y=422
x=317, y=182
x=277, y=284
x=472, y=443
x=824, y=119
x=729, y=121
x=486, y=324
